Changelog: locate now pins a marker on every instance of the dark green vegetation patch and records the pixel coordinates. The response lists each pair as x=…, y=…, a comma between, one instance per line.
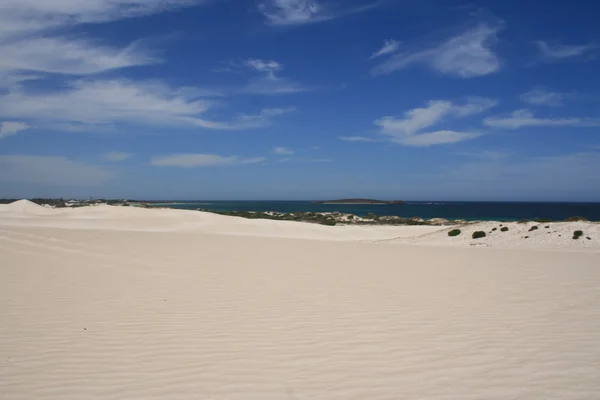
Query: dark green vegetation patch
x=478, y=234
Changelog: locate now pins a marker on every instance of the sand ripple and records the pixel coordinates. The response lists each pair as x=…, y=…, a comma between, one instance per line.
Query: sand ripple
x=134, y=315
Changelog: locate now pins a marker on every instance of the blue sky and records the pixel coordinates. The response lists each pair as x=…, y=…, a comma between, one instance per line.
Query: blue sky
x=300, y=99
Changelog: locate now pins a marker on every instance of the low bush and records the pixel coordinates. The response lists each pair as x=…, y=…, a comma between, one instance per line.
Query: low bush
x=495, y=229
x=523, y=221
x=454, y=232
x=547, y=226
x=576, y=219
x=478, y=234
x=328, y=222
x=542, y=220
x=534, y=228
x=578, y=233
x=504, y=229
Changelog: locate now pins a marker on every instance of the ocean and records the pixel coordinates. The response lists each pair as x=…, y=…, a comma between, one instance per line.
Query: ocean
x=470, y=211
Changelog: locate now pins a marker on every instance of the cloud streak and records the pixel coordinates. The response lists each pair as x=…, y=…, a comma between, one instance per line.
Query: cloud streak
x=466, y=55
x=283, y=151
x=117, y=156
x=202, y=160
x=92, y=104
x=302, y=12
x=389, y=46
x=543, y=97
x=413, y=128
x=558, y=52
x=525, y=118
x=32, y=35
x=8, y=128
x=269, y=83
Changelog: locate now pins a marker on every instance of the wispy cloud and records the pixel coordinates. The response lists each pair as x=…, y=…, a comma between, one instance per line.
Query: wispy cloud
x=283, y=151
x=301, y=12
x=91, y=104
x=35, y=42
x=557, y=52
x=357, y=139
x=525, y=118
x=117, y=156
x=544, y=97
x=389, y=46
x=32, y=38
x=269, y=83
x=466, y=55
x=56, y=171
x=8, y=128
x=409, y=130
x=202, y=160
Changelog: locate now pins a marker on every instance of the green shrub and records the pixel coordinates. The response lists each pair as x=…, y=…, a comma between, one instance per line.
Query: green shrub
x=504, y=229
x=495, y=229
x=534, y=228
x=578, y=233
x=576, y=219
x=542, y=220
x=523, y=221
x=454, y=232
x=547, y=226
x=478, y=234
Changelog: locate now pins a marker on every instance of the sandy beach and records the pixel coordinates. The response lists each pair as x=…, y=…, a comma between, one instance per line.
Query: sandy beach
x=124, y=303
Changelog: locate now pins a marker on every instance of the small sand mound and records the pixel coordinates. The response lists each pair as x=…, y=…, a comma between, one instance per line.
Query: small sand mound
x=26, y=207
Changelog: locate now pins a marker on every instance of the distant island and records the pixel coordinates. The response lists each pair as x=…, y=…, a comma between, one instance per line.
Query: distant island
x=359, y=201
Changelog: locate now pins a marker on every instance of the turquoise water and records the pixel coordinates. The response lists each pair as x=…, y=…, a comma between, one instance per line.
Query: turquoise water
x=500, y=211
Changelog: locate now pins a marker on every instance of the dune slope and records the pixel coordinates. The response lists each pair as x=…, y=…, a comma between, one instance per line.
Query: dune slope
x=99, y=314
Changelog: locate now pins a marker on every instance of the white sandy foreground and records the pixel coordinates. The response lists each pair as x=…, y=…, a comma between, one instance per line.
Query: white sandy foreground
x=120, y=303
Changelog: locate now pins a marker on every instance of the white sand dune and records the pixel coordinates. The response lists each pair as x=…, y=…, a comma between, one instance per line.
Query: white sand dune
x=121, y=303
x=26, y=213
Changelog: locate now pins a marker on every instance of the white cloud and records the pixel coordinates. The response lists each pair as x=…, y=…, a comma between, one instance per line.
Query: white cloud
x=283, y=151
x=90, y=104
x=269, y=83
x=543, y=97
x=8, y=128
x=300, y=12
x=36, y=40
x=466, y=55
x=273, y=87
x=32, y=35
x=408, y=130
x=525, y=118
x=389, y=46
x=58, y=171
x=356, y=139
x=269, y=67
x=202, y=160
x=557, y=52
x=433, y=138
x=261, y=118
x=117, y=156
x=69, y=56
